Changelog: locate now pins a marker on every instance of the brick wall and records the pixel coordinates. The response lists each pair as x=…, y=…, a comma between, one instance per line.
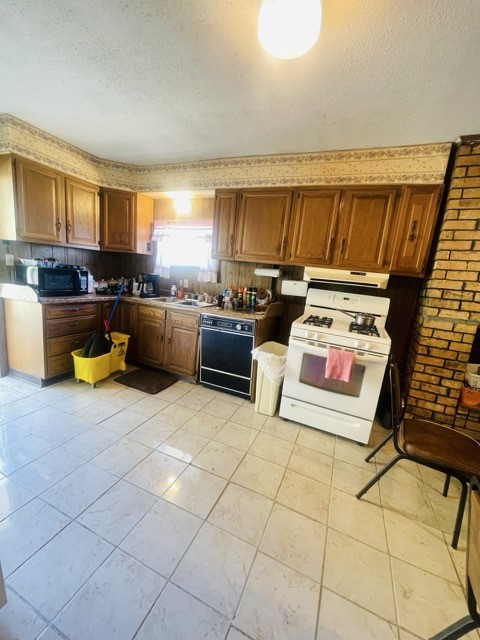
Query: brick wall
x=449, y=308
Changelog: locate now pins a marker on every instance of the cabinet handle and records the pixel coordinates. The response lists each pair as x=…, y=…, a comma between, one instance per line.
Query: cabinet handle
x=413, y=231
x=74, y=309
x=59, y=224
x=69, y=226
x=284, y=243
x=231, y=240
x=75, y=342
x=74, y=324
x=330, y=247
x=169, y=339
x=342, y=248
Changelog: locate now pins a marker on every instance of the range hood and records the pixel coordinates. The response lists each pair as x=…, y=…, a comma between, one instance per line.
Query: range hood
x=341, y=276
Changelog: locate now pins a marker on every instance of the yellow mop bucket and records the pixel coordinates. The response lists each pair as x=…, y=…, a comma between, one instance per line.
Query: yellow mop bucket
x=94, y=369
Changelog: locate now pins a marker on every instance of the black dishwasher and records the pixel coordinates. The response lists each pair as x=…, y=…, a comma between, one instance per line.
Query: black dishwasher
x=226, y=362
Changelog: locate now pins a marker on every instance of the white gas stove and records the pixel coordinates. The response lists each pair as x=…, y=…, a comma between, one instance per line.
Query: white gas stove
x=326, y=319
x=329, y=322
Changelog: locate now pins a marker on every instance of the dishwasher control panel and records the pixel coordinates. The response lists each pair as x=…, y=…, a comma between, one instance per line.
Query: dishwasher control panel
x=233, y=325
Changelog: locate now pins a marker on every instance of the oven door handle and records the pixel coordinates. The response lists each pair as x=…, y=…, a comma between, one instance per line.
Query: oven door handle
x=320, y=349
x=233, y=333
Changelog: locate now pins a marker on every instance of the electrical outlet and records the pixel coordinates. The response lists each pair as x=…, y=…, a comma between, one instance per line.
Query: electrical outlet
x=185, y=283
x=9, y=259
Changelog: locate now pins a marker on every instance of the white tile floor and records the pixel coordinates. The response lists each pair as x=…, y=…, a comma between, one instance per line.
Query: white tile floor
x=186, y=515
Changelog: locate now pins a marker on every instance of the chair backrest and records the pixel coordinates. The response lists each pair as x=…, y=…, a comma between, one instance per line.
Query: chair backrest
x=396, y=406
x=473, y=549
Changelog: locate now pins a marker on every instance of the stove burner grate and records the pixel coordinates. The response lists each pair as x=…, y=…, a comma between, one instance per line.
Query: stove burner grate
x=363, y=329
x=317, y=321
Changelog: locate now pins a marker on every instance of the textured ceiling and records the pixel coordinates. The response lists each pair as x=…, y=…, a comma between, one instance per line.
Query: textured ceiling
x=152, y=81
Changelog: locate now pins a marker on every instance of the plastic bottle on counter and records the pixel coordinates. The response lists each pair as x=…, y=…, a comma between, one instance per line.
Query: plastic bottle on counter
x=173, y=290
x=240, y=297
x=180, y=290
x=253, y=298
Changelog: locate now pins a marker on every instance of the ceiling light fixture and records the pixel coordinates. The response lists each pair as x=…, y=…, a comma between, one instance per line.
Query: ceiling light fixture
x=289, y=28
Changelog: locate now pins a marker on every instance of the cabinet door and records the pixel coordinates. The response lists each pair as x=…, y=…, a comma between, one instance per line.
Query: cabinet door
x=313, y=226
x=128, y=325
x=181, y=344
x=40, y=203
x=82, y=213
x=117, y=220
x=365, y=225
x=417, y=215
x=262, y=225
x=150, y=335
x=224, y=214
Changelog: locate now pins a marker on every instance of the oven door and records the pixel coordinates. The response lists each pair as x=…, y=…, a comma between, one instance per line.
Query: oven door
x=305, y=379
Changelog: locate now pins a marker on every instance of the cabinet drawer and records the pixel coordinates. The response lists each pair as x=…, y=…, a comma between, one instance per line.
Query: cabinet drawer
x=69, y=310
x=59, y=364
x=57, y=346
x=151, y=312
x=81, y=324
x=183, y=319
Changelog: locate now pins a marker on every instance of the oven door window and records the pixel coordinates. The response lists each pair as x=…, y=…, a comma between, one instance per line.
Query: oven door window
x=312, y=372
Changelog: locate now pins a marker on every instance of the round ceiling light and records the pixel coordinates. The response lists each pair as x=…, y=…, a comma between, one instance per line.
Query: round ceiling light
x=289, y=28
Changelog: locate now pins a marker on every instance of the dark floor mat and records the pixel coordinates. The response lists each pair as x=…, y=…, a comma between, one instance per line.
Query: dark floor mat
x=146, y=380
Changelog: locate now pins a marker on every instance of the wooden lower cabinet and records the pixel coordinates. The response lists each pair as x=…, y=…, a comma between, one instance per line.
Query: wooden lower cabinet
x=67, y=328
x=181, y=344
x=150, y=331
x=127, y=323
x=41, y=337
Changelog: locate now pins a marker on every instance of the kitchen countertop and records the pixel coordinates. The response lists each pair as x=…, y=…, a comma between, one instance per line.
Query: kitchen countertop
x=271, y=310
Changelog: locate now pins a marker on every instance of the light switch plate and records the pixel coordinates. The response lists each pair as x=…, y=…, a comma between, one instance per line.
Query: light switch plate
x=9, y=259
x=185, y=283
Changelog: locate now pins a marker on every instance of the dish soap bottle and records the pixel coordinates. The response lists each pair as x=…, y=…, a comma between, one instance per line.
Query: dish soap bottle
x=173, y=290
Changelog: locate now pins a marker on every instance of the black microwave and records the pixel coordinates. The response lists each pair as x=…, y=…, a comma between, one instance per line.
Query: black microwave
x=65, y=280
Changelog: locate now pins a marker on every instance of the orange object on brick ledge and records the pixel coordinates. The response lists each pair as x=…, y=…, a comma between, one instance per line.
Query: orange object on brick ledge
x=470, y=396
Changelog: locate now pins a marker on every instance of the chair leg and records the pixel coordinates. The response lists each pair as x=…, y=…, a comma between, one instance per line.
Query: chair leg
x=377, y=477
x=378, y=447
x=446, y=485
x=456, y=630
x=459, y=518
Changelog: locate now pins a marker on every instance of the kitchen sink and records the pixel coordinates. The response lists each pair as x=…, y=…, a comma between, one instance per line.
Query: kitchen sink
x=193, y=303
x=166, y=299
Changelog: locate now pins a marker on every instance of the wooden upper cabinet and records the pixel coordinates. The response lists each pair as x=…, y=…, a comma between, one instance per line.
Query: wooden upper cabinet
x=314, y=222
x=118, y=220
x=40, y=199
x=417, y=214
x=364, y=228
x=126, y=221
x=224, y=214
x=82, y=213
x=263, y=224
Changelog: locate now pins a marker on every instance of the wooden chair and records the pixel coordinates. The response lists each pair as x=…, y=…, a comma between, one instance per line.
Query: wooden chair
x=432, y=445
x=472, y=621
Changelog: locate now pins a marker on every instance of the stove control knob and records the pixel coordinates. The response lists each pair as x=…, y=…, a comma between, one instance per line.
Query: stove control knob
x=238, y=327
